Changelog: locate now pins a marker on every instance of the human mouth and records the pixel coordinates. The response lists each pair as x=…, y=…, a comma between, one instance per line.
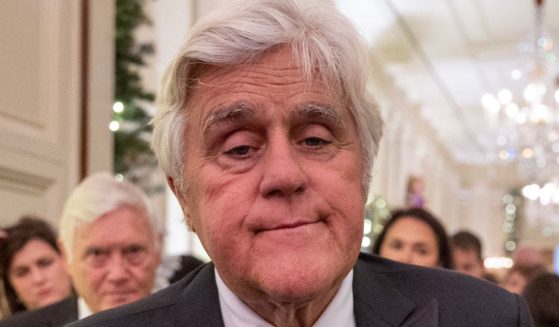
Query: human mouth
x=285, y=226
x=45, y=292
x=293, y=234
x=119, y=293
x=119, y=296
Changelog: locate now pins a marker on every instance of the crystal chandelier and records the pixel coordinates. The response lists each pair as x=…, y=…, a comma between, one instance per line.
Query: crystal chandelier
x=525, y=115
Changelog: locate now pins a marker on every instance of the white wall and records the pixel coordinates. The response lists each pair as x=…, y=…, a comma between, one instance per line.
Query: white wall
x=40, y=101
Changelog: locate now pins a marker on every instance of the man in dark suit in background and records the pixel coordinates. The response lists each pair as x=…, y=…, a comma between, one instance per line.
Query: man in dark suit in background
x=267, y=136
x=111, y=242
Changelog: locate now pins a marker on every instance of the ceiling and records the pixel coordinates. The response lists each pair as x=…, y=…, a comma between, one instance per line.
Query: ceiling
x=445, y=54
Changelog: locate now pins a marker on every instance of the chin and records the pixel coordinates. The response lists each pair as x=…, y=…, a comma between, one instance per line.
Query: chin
x=298, y=294
x=301, y=284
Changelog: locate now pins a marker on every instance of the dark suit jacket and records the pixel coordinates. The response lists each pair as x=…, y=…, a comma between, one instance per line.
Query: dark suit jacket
x=386, y=293
x=54, y=315
x=187, y=264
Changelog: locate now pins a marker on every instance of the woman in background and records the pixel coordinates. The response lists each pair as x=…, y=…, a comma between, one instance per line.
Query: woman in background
x=32, y=268
x=416, y=237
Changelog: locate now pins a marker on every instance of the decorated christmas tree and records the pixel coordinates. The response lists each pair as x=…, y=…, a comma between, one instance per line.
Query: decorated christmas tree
x=130, y=125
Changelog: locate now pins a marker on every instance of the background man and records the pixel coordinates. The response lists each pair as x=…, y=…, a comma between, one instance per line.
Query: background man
x=467, y=254
x=111, y=242
x=267, y=135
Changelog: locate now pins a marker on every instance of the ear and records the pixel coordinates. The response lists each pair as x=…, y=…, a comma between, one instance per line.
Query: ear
x=182, y=200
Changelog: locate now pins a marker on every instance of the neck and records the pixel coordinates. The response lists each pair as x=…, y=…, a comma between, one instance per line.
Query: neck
x=293, y=314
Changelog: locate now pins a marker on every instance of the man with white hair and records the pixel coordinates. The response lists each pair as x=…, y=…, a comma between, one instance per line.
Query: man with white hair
x=111, y=242
x=267, y=134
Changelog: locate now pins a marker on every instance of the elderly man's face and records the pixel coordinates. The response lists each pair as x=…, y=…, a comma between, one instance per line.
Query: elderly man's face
x=273, y=168
x=114, y=259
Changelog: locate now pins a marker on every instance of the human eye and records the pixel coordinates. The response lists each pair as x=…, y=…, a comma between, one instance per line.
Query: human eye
x=96, y=256
x=315, y=142
x=395, y=244
x=239, y=152
x=240, y=145
x=135, y=254
x=422, y=250
x=315, y=137
x=44, y=262
x=20, y=272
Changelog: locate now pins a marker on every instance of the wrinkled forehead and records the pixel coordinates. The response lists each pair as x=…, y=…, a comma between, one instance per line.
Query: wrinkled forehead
x=124, y=221
x=274, y=77
x=278, y=60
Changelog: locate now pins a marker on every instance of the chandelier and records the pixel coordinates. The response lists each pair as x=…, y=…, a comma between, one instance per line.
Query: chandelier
x=524, y=116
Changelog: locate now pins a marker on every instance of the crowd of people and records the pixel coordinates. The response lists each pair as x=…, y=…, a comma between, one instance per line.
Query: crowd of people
x=35, y=273
x=107, y=254
x=415, y=236
x=267, y=133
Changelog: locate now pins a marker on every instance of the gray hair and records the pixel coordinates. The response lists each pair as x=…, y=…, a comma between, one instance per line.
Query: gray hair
x=322, y=40
x=96, y=196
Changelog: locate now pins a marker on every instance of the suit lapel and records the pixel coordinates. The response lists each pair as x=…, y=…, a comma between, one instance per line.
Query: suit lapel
x=62, y=313
x=378, y=302
x=199, y=302
x=425, y=315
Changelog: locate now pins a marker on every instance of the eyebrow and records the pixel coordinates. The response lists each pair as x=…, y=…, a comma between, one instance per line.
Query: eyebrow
x=234, y=112
x=319, y=111
x=243, y=111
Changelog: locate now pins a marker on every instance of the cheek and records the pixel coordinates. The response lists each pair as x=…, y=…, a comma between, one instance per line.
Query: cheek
x=86, y=277
x=220, y=198
x=384, y=250
x=223, y=207
x=21, y=285
x=343, y=177
x=146, y=272
x=142, y=276
x=345, y=194
x=57, y=267
x=435, y=260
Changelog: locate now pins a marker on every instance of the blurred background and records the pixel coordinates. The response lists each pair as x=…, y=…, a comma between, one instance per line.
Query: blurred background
x=468, y=91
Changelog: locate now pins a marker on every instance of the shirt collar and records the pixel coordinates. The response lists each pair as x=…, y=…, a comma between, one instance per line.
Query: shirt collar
x=236, y=313
x=83, y=309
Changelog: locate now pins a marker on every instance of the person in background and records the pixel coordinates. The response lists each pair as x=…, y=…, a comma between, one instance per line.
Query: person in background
x=467, y=254
x=32, y=268
x=519, y=275
x=267, y=134
x=416, y=237
x=415, y=194
x=112, y=243
x=527, y=256
x=542, y=296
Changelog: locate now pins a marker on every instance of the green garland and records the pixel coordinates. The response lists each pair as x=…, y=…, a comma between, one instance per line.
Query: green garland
x=131, y=137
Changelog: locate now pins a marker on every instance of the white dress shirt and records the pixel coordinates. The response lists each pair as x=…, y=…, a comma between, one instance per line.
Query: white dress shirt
x=83, y=309
x=236, y=313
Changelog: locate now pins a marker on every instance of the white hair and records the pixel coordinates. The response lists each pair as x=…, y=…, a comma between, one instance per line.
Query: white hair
x=322, y=40
x=96, y=196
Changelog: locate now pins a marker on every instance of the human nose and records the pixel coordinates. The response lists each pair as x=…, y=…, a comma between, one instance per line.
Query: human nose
x=117, y=271
x=37, y=276
x=405, y=256
x=283, y=174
